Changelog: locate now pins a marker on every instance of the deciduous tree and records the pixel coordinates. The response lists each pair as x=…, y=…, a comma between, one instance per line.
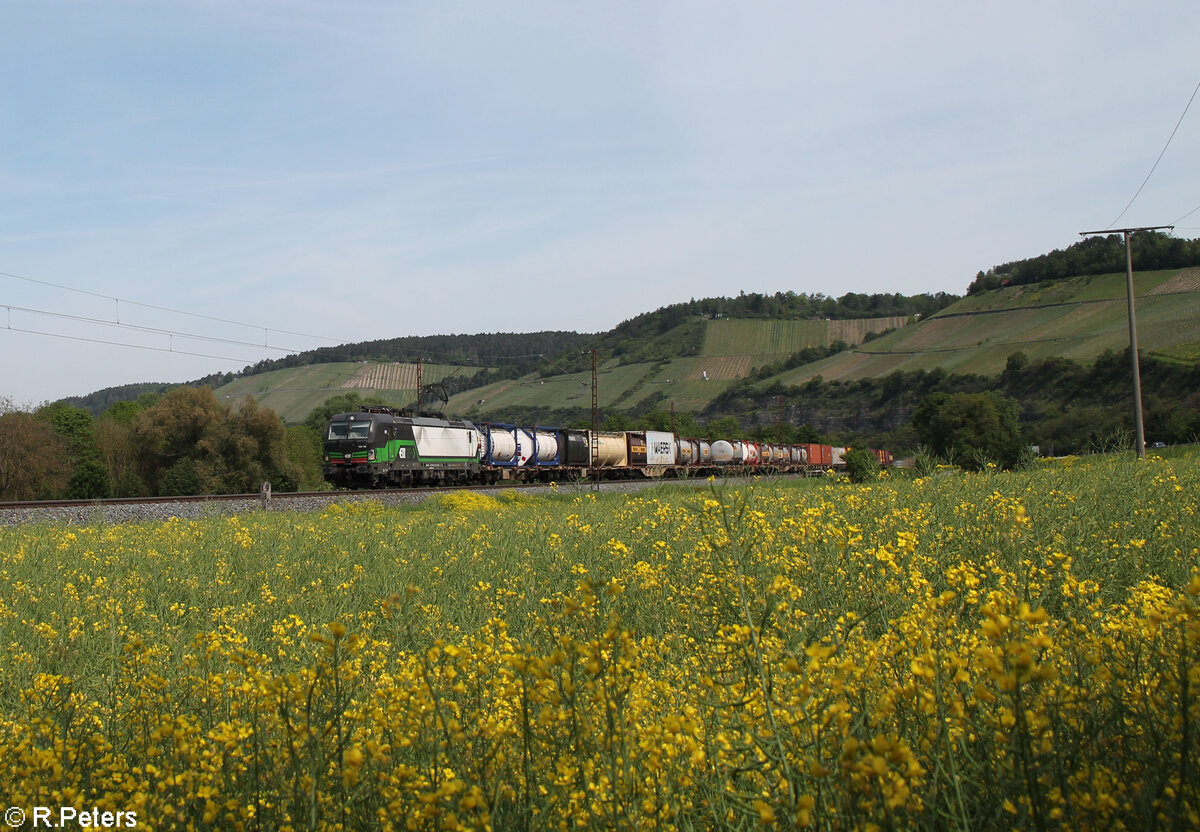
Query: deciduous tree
x=972, y=429
x=33, y=458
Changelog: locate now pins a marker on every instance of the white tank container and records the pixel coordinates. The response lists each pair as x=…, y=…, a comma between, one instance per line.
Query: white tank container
x=724, y=452
x=749, y=452
x=524, y=446
x=547, y=447
x=512, y=445
x=686, y=451
x=611, y=451
x=502, y=445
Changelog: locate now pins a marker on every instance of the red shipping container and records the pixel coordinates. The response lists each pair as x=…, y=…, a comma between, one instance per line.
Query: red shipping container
x=821, y=455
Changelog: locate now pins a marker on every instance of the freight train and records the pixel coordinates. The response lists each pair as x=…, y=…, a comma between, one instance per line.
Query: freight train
x=379, y=447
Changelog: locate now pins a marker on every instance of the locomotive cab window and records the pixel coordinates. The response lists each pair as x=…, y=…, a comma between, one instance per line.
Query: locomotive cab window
x=349, y=430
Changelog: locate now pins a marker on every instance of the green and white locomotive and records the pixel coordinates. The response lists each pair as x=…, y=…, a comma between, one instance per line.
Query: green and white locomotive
x=379, y=447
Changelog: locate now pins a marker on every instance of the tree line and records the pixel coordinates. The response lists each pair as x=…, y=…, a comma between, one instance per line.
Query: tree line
x=1095, y=255
x=184, y=441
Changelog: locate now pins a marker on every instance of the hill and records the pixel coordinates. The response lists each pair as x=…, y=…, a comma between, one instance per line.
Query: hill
x=1058, y=347
x=1076, y=318
x=847, y=365
x=721, y=352
x=696, y=357
x=295, y=391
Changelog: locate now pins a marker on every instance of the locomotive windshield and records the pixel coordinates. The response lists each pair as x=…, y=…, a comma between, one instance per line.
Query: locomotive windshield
x=349, y=430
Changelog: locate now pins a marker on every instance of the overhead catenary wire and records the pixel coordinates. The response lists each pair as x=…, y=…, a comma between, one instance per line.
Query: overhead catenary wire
x=170, y=349
x=565, y=370
x=1159, y=159
x=1188, y=214
x=454, y=358
x=157, y=308
x=137, y=328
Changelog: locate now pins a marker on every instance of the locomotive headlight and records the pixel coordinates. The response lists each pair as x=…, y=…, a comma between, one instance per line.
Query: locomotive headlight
x=371, y=455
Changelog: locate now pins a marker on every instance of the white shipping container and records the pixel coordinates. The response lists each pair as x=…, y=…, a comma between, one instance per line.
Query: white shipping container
x=660, y=448
x=435, y=441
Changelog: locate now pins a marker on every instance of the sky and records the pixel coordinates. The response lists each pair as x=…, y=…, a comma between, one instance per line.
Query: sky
x=280, y=176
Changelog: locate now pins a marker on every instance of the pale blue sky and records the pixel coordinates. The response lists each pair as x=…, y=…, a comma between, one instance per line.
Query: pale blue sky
x=363, y=170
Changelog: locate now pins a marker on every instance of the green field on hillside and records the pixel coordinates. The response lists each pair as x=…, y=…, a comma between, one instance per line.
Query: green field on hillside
x=731, y=349
x=295, y=391
x=1069, y=290
x=781, y=338
x=619, y=387
x=1077, y=319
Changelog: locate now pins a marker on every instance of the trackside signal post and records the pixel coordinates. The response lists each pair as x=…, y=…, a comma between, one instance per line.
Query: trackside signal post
x=1139, y=434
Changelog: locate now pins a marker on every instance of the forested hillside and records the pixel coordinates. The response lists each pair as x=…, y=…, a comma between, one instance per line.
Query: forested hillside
x=1095, y=255
x=1065, y=406
x=678, y=330
x=512, y=354
x=486, y=358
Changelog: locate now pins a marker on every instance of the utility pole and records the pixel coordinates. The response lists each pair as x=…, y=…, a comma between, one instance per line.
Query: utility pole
x=595, y=416
x=420, y=390
x=1139, y=433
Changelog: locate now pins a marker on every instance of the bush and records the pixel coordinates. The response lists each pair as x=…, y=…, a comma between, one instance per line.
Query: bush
x=862, y=465
x=972, y=428
x=181, y=479
x=89, y=481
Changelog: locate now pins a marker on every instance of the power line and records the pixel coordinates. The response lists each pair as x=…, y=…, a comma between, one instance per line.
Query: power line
x=128, y=302
x=139, y=328
x=170, y=349
x=565, y=370
x=1159, y=159
x=482, y=360
x=1188, y=214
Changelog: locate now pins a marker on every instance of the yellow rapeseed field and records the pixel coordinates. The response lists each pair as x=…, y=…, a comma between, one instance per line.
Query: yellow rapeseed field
x=962, y=652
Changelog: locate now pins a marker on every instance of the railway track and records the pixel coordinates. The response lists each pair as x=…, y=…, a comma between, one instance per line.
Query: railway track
x=148, y=509
x=265, y=497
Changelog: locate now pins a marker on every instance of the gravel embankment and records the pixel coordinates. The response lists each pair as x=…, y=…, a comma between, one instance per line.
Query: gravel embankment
x=156, y=512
